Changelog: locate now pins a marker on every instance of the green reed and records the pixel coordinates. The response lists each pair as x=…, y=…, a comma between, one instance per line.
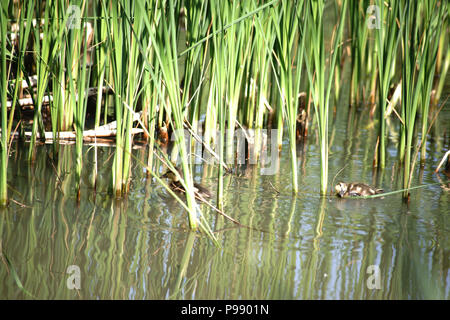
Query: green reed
x=101, y=41
x=42, y=61
x=219, y=12
x=242, y=62
x=164, y=41
x=66, y=68
x=443, y=60
x=82, y=83
x=430, y=55
x=127, y=71
x=238, y=40
x=315, y=65
x=419, y=58
x=150, y=87
x=23, y=36
x=290, y=25
x=197, y=26
x=262, y=57
x=387, y=39
x=117, y=27
x=359, y=39
x=340, y=59
x=3, y=95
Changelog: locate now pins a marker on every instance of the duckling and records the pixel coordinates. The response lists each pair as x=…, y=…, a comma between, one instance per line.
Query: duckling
x=200, y=191
x=355, y=189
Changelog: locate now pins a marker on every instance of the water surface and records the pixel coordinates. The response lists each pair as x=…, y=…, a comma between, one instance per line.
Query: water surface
x=297, y=247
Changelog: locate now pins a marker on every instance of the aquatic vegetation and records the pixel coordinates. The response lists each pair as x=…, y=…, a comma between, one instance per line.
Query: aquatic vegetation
x=206, y=71
x=127, y=69
x=359, y=43
x=419, y=59
x=166, y=53
x=387, y=39
x=290, y=25
x=42, y=61
x=168, y=105
x=320, y=88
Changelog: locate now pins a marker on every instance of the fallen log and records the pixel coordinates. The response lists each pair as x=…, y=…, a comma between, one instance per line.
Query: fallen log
x=88, y=135
x=28, y=101
x=107, y=130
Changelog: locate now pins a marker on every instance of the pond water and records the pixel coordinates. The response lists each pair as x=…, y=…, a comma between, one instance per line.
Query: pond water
x=297, y=247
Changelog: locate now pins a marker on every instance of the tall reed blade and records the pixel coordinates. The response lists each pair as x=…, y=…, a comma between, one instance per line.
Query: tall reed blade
x=101, y=39
x=3, y=94
x=81, y=103
x=219, y=12
x=25, y=14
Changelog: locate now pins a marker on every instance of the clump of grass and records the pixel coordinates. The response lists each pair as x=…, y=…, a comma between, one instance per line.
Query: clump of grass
x=387, y=39
x=127, y=70
x=42, y=61
x=197, y=24
x=23, y=37
x=261, y=64
x=315, y=65
x=437, y=22
x=101, y=42
x=78, y=77
x=359, y=41
x=164, y=42
x=290, y=23
x=419, y=58
x=220, y=11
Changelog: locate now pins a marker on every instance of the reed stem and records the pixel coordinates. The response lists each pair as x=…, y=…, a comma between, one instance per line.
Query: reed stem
x=3, y=94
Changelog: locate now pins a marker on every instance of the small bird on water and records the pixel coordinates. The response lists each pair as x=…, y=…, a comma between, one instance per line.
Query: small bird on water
x=175, y=184
x=355, y=189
